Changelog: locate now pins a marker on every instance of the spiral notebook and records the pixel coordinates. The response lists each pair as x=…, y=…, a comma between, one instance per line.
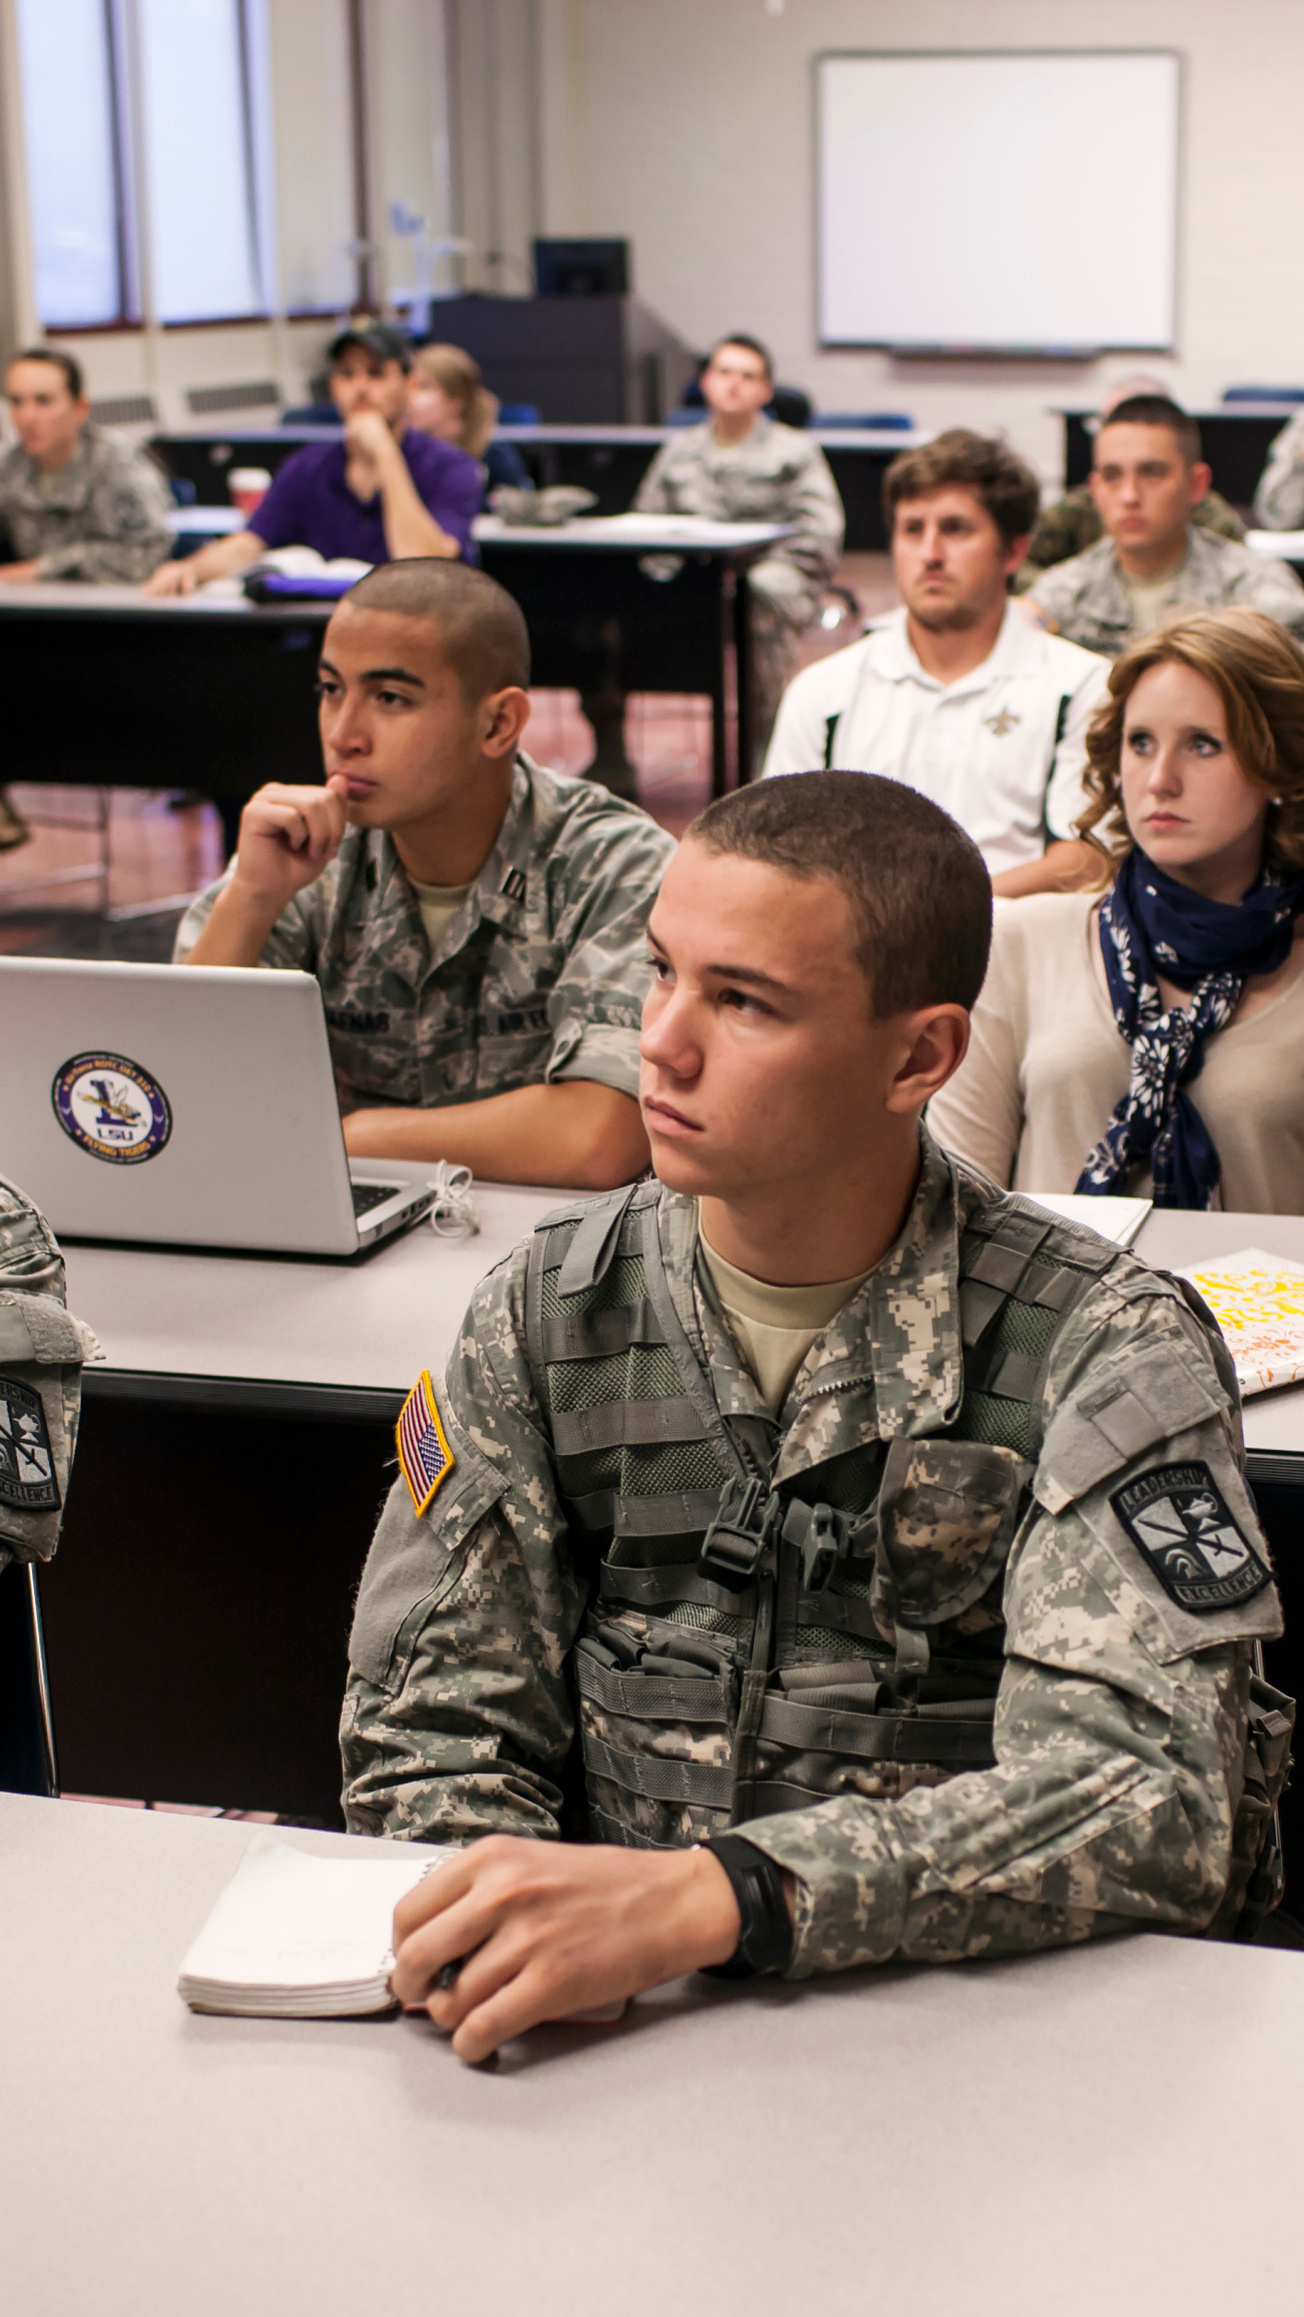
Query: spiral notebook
x=298, y=1936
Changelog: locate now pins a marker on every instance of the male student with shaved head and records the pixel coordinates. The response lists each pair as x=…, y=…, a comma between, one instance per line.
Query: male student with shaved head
x=477, y=924
x=878, y=1543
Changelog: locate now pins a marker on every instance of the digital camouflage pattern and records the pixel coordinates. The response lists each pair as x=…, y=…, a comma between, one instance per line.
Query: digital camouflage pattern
x=1120, y=1719
x=42, y=1349
x=103, y=516
x=1072, y=525
x=540, y=976
x=1279, y=500
x=776, y=474
x=1085, y=599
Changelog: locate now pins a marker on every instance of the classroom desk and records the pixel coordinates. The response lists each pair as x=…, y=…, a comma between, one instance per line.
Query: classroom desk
x=1114, y=2127
x=109, y=687
x=612, y=461
x=609, y=460
x=1235, y=439
x=234, y=1452
x=600, y=621
x=1287, y=546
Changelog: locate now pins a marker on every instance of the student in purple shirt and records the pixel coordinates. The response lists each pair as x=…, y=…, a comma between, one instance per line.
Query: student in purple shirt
x=377, y=494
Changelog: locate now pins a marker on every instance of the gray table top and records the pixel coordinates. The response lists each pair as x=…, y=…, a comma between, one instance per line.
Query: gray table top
x=1071, y=2132
x=370, y=1327
x=60, y=597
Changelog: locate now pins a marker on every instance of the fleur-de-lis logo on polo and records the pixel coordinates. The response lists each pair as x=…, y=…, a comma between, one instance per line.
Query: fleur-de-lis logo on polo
x=1002, y=722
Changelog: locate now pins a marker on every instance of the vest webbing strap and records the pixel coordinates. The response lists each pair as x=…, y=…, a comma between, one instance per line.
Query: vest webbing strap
x=625, y=1424
x=597, y=1335
x=592, y=1247
x=838, y=1613
x=876, y=1737
x=651, y=1697
x=608, y=1829
x=708, y=1784
x=652, y=1588
x=680, y=1513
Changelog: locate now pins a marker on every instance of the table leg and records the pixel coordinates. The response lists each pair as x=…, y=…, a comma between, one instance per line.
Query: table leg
x=745, y=678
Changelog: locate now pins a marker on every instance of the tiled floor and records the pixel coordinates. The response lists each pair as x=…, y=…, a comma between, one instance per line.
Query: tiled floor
x=159, y=848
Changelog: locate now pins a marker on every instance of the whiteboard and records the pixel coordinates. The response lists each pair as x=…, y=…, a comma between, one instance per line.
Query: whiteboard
x=998, y=203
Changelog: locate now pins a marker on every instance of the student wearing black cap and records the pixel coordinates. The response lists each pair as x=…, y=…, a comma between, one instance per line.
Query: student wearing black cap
x=379, y=493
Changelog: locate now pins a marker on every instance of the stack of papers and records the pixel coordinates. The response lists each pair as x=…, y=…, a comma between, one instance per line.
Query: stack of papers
x=1258, y=1302
x=1116, y=1219
x=295, y=1936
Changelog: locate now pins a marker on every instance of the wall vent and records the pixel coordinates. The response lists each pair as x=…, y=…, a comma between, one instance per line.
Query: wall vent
x=258, y=395
x=125, y=410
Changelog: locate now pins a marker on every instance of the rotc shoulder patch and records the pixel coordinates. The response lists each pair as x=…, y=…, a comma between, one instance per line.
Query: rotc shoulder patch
x=423, y=1452
x=1178, y=1521
x=27, y=1478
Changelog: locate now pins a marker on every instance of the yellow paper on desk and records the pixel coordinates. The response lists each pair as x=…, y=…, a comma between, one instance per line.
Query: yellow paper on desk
x=1258, y=1302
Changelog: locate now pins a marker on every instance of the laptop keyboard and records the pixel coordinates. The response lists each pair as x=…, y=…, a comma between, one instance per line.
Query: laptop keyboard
x=369, y=1195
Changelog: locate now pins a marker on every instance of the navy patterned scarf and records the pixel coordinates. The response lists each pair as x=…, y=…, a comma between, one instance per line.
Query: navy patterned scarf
x=1150, y=924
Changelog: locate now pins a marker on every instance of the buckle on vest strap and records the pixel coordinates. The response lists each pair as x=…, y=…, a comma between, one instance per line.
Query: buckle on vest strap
x=820, y=1535
x=741, y=1534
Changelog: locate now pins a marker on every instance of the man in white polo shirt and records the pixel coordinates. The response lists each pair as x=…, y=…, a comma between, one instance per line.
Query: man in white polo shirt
x=955, y=693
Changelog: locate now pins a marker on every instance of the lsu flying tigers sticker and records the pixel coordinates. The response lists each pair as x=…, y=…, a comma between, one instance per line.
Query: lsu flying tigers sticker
x=423, y=1452
x=27, y=1478
x=112, y=1108
x=1179, y=1522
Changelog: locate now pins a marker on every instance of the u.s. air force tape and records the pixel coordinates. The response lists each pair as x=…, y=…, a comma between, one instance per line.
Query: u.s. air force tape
x=424, y=1455
x=1179, y=1522
x=27, y=1479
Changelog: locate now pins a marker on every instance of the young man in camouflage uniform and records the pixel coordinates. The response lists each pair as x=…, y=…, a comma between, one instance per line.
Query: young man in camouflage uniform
x=74, y=504
x=936, y=1583
x=476, y=922
x=1073, y=524
x=741, y=467
x=1147, y=477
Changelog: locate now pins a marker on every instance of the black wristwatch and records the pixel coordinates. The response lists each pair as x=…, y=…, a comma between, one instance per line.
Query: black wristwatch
x=765, y=1942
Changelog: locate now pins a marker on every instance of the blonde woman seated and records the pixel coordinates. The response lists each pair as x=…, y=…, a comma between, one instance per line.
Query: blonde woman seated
x=448, y=399
x=1152, y=1040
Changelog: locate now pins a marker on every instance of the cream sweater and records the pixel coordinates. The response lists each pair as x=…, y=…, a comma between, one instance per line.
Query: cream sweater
x=1047, y=1064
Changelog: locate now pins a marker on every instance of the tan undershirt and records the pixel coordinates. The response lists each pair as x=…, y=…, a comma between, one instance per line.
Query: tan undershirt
x=439, y=905
x=774, y=1326
x=1150, y=599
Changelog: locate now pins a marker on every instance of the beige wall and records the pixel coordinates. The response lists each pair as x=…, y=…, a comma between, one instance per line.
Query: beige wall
x=688, y=126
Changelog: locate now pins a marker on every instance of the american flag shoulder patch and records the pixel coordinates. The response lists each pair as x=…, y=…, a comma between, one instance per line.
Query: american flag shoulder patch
x=423, y=1453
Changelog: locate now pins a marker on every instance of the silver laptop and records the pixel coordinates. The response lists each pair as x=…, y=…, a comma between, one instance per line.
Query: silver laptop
x=189, y=1105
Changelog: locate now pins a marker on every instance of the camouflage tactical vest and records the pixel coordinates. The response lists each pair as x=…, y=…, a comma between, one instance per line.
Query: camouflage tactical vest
x=750, y=1650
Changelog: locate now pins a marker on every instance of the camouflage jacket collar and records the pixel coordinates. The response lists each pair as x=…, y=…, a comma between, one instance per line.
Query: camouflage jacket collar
x=891, y=1361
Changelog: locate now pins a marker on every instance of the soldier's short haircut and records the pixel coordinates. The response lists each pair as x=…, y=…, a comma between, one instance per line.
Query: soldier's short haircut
x=918, y=888
x=980, y=463
x=751, y=345
x=1155, y=410
x=66, y=363
x=481, y=627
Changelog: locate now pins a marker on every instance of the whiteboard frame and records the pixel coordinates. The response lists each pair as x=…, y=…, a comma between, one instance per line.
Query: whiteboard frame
x=990, y=351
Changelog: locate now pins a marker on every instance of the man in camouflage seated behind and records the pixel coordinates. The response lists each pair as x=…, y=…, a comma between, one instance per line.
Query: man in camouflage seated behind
x=1073, y=523
x=475, y=921
x=884, y=1539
